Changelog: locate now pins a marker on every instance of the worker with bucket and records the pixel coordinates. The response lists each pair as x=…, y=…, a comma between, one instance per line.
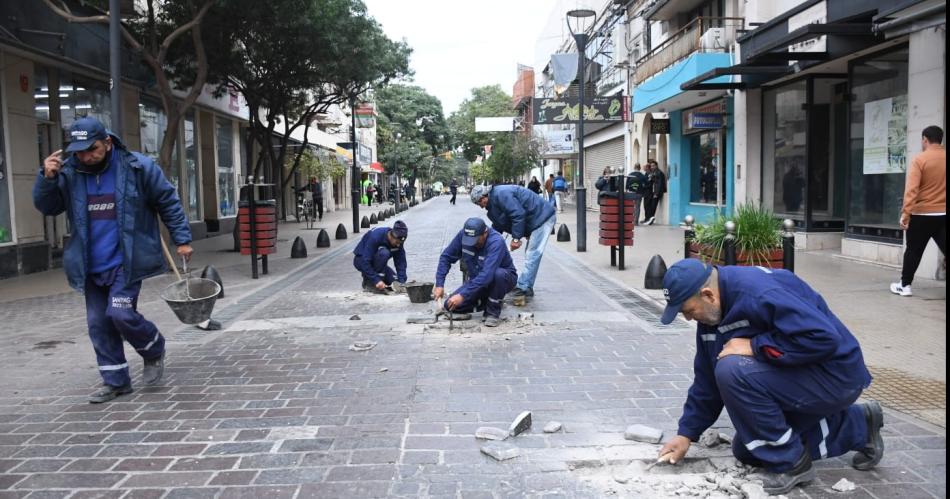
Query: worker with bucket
x=372, y=255
x=111, y=196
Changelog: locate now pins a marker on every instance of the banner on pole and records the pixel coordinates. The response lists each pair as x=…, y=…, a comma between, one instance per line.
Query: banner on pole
x=551, y=111
x=365, y=115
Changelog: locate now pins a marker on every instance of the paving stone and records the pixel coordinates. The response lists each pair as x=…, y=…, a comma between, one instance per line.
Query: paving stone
x=143, y=464
x=275, y=492
x=500, y=451
x=70, y=481
x=491, y=433
x=643, y=433
x=290, y=476
x=168, y=479
x=233, y=478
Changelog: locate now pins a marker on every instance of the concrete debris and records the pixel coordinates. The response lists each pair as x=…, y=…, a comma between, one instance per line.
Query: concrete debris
x=643, y=433
x=552, y=427
x=421, y=319
x=384, y=369
x=520, y=424
x=501, y=451
x=725, y=438
x=526, y=316
x=354, y=317
x=754, y=491
x=362, y=346
x=710, y=438
x=490, y=433
x=844, y=485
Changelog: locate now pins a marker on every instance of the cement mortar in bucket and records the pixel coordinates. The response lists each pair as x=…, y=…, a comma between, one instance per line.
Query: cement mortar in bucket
x=419, y=292
x=192, y=299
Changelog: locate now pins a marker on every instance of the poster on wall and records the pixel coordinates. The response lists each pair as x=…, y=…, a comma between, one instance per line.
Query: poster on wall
x=885, y=136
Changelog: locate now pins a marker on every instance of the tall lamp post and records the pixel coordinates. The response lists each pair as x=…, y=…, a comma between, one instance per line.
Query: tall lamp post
x=398, y=187
x=355, y=202
x=577, y=24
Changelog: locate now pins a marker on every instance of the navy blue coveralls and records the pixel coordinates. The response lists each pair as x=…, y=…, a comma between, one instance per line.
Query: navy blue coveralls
x=492, y=270
x=115, y=245
x=372, y=254
x=797, y=391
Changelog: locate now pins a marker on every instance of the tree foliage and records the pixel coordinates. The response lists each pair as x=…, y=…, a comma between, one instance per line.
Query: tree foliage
x=485, y=102
x=417, y=118
x=512, y=156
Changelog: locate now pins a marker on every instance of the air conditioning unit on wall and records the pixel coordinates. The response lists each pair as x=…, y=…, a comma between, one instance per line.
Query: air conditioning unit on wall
x=713, y=39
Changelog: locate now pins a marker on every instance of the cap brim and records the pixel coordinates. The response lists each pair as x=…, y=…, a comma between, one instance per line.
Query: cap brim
x=469, y=240
x=670, y=312
x=80, y=145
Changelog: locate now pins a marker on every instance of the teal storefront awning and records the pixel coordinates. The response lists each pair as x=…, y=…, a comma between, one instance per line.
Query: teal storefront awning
x=662, y=93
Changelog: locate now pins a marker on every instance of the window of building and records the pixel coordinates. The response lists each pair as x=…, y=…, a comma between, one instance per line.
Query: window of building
x=783, y=150
x=878, y=142
x=79, y=98
x=707, y=169
x=224, y=136
x=191, y=191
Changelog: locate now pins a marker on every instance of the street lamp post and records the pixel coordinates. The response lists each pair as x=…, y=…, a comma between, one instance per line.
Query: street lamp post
x=398, y=187
x=579, y=32
x=355, y=202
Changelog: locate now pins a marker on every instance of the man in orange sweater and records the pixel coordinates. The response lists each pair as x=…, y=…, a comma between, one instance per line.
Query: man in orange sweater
x=924, y=215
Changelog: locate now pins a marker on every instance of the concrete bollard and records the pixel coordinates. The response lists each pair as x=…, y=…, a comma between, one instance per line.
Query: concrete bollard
x=372, y=219
x=209, y=272
x=323, y=239
x=340, y=232
x=299, y=248
x=656, y=269
x=563, y=234
x=364, y=224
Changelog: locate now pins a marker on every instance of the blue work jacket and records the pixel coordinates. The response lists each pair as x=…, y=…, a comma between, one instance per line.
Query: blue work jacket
x=480, y=262
x=141, y=191
x=790, y=326
x=368, y=247
x=516, y=210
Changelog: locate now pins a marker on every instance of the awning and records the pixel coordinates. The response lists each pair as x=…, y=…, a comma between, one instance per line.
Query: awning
x=739, y=69
x=377, y=166
x=910, y=16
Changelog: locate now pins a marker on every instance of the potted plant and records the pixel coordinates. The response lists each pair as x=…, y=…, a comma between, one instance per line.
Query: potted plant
x=758, y=238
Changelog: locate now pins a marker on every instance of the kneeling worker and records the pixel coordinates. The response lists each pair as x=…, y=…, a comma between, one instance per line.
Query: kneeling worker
x=770, y=351
x=372, y=254
x=489, y=264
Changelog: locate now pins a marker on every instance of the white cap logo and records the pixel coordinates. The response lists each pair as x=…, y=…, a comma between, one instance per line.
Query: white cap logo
x=79, y=134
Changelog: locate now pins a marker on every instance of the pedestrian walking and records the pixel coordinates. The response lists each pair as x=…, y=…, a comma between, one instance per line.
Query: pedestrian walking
x=111, y=197
x=370, y=193
x=560, y=189
x=521, y=213
x=453, y=189
x=924, y=214
x=657, y=181
x=636, y=186
x=535, y=185
x=490, y=269
x=781, y=363
x=314, y=189
x=549, y=188
x=372, y=254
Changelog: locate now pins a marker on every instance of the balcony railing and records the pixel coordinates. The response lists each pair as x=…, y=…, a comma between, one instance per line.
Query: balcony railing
x=703, y=34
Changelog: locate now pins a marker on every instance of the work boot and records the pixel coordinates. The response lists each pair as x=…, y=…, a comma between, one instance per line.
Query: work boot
x=109, y=392
x=782, y=483
x=868, y=457
x=492, y=321
x=153, y=370
x=368, y=285
x=529, y=292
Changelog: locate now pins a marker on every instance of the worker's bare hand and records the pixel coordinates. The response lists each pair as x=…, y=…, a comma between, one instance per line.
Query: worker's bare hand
x=454, y=301
x=737, y=346
x=380, y=285
x=676, y=447
x=53, y=164
x=438, y=293
x=515, y=244
x=905, y=222
x=185, y=251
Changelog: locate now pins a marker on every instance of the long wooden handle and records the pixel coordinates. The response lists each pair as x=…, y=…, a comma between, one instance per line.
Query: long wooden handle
x=168, y=257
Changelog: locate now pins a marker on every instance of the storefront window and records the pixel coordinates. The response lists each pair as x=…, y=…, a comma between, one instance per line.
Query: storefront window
x=224, y=134
x=80, y=98
x=41, y=95
x=878, y=139
x=783, y=150
x=191, y=168
x=707, y=169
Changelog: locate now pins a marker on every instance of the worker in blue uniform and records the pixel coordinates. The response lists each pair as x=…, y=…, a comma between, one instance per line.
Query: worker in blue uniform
x=521, y=213
x=787, y=370
x=490, y=266
x=372, y=255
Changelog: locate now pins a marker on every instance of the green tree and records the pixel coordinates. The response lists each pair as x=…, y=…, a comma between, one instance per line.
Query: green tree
x=485, y=102
x=513, y=155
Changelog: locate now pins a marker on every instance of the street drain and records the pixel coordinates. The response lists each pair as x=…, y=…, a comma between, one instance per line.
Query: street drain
x=903, y=392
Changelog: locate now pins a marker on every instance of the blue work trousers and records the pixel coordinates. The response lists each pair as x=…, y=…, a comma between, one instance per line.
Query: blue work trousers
x=780, y=411
x=380, y=262
x=489, y=298
x=534, y=249
x=111, y=314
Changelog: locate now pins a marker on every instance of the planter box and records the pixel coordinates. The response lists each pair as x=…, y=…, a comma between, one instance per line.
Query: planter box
x=774, y=259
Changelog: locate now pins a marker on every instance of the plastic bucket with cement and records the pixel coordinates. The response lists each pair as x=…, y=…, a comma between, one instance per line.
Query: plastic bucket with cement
x=419, y=292
x=192, y=299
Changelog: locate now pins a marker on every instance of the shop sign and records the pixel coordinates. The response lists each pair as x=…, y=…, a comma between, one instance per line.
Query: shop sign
x=704, y=117
x=365, y=115
x=660, y=125
x=885, y=136
x=705, y=120
x=552, y=111
x=365, y=156
x=816, y=14
x=558, y=142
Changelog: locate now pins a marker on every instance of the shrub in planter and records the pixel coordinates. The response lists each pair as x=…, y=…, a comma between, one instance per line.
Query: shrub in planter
x=758, y=238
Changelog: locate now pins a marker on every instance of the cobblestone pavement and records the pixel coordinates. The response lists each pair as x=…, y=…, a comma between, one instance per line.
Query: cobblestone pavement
x=278, y=405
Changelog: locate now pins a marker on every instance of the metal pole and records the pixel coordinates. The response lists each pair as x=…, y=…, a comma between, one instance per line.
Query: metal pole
x=623, y=230
x=788, y=245
x=580, y=192
x=688, y=235
x=115, y=66
x=355, y=203
x=729, y=243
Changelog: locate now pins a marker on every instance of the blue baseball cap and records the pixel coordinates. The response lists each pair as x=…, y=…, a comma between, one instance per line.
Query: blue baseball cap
x=400, y=230
x=683, y=280
x=474, y=227
x=84, y=132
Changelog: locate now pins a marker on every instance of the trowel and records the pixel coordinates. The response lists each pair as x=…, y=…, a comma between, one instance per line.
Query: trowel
x=665, y=458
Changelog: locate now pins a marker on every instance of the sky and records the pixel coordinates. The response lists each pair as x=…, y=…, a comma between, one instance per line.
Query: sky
x=462, y=44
